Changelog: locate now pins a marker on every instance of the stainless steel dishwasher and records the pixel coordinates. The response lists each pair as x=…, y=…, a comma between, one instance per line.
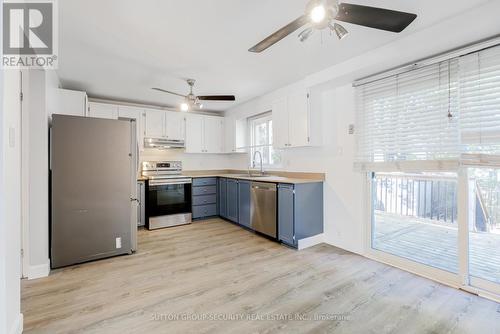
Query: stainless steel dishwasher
x=263, y=208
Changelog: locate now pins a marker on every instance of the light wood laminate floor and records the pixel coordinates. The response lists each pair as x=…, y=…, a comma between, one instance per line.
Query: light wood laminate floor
x=218, y=270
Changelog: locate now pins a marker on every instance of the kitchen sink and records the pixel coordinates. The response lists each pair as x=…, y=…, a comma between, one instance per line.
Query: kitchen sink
x=250, y=175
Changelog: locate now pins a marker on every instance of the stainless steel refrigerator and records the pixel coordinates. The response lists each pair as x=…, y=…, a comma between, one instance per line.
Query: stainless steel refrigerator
x=93, y=165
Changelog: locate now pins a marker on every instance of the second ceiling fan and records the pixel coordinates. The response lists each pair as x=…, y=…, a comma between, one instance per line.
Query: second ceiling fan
x=321, y=14
x=191, y=100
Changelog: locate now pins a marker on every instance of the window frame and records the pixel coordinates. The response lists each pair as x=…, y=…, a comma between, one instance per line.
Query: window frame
x=252, y=122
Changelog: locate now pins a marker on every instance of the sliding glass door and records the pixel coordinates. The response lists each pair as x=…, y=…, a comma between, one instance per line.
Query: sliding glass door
x=416, y=217
x=484, y=228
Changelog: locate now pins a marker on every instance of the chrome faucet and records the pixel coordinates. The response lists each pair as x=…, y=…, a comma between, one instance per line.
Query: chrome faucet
x=253, y=162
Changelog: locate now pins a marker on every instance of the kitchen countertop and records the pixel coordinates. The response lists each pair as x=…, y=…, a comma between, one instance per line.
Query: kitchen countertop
x=268, y=178
x=285, y=177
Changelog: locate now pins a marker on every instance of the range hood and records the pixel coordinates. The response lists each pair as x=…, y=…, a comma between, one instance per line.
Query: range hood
x=163, y=143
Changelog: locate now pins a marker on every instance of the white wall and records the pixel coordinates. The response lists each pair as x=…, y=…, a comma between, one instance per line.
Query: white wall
x=189, y=161
x=334, y=97
x=11, y=318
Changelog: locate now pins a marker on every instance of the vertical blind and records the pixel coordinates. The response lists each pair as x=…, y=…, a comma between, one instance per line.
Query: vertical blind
x=432, y=113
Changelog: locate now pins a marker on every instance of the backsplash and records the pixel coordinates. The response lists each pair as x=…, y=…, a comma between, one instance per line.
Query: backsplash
x=189, y=161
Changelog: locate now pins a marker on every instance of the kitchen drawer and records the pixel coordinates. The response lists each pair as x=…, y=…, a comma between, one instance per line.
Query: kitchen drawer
x=205, y=190
x=200, y=211
x=204, y=199
x=205, y=181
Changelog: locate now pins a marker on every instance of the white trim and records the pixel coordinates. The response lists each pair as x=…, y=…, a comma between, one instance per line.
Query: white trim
x=17, y=327
x=408, y=166
x=463, y=226
x=38, y=271
x=25, y=184
x=311, y=241
x=484, y=288
x=435, y=274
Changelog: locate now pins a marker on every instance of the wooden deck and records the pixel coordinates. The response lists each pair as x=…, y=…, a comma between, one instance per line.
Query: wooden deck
x=219, y=270
x=423, y=241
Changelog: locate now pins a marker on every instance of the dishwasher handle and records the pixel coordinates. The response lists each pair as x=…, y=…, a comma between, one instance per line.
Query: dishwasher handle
x=264, y=186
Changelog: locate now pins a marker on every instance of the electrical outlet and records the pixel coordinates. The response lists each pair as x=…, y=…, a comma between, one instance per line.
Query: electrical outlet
x=118, y=242
x=351, y=129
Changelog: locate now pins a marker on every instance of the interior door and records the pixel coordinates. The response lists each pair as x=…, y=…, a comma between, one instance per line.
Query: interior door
x=175, y=125
x=213, y=134
x=298, y=119
x=280, y=124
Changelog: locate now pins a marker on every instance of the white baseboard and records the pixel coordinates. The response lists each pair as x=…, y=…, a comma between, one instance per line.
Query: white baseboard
x=311, y=241
x=39, y=271
x=17, y=327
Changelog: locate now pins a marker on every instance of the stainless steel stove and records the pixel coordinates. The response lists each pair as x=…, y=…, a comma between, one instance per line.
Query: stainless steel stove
x=168, y=194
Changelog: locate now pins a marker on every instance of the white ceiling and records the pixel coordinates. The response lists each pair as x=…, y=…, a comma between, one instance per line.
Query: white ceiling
x=119, y=49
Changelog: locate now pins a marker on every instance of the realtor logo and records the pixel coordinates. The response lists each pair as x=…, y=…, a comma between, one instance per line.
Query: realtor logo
x=29, y=34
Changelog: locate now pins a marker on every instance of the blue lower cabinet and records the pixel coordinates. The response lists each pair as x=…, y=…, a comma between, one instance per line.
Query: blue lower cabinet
x=244, y=203
x=285, y=214
x=201, y=211
x=300, y=211
x=204, y=201
x=222, y=199
x=232, y=200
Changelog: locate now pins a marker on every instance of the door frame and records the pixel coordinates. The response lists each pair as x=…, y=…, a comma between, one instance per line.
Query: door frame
x=25, y=214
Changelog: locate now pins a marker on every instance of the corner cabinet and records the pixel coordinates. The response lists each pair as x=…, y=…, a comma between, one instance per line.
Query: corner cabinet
x=204, y=134
x=222, y=197
x=232, y=200
x=300, y=212
x=294, y=123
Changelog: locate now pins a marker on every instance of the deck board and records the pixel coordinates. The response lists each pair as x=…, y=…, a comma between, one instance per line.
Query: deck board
x=436, y=245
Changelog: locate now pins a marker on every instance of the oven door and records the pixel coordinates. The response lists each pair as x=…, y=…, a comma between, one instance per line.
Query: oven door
x=168, y=197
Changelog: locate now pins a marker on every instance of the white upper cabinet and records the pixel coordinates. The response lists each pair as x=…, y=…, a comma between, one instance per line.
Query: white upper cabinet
x=103, y=110
x=213, y=134
x=194, y=134
x=164, y=124
x=67, y=102
x=281, y=138
x=137, y=114
x=204, y=134
x=293, y=123
x=154, y=126
x=298, y=119
x=235, y=133
x=175, y=125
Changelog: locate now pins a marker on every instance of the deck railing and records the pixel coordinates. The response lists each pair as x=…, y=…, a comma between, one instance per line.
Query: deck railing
x=420, y=196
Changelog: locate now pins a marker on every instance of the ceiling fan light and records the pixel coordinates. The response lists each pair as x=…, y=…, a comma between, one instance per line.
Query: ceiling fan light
x=184, y=106
x=305, y=34
x=340, y=31
x=318, y=13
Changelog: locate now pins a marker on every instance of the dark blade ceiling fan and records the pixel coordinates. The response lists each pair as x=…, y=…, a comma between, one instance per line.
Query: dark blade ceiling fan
x=191, y=100
x=321, y=14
